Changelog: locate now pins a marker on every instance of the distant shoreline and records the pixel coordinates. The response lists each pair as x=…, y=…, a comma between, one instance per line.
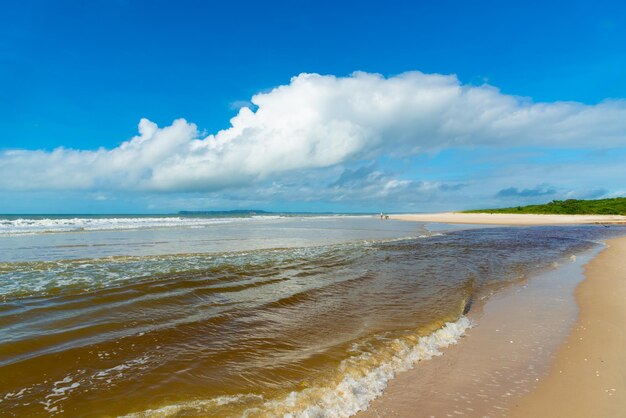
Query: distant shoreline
x=510, y=219
x=611, y=206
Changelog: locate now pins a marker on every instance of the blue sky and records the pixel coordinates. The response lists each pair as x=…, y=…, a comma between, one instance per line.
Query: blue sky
x=82, y=74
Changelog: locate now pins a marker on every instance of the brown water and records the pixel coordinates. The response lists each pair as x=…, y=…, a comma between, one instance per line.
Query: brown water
x=314, y=329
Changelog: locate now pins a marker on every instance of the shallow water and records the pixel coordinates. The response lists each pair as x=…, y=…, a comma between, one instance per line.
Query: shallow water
x=256, y=316
x=504, y=356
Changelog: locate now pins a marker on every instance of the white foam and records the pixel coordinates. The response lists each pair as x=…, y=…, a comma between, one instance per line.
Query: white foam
x=118, y=370
x=60, y=391
x=16, y=395
x=23, y=226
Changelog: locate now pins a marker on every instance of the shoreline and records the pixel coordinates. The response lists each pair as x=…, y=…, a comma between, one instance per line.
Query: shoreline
x=510, y=218
x=507, y=364
x=588, y=376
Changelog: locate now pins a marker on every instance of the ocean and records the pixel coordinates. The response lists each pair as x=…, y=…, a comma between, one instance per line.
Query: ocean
x=252, y=316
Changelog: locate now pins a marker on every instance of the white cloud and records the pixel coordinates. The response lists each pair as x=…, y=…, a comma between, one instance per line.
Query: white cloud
x=316, y=122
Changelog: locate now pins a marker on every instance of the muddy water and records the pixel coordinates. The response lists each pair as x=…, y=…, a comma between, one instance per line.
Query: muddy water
x=274, y=316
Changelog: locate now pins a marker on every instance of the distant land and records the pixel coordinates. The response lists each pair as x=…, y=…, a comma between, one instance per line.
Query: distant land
x=242, y=212
x=614, y=206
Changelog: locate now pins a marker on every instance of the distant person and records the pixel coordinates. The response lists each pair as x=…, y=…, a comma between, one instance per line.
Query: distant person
x=382, y=215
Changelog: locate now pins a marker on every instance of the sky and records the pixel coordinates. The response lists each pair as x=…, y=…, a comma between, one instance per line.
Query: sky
x=351, y=106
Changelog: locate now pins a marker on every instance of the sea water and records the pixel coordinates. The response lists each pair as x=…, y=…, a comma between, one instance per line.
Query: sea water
x=241, y=316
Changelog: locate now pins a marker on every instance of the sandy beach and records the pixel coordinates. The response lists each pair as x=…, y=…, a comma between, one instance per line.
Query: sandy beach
x=588, y=377
x=510, y=219
x=535, y=351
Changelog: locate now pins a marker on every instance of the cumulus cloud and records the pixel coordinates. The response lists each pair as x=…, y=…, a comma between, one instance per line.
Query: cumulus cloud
x=317, y=122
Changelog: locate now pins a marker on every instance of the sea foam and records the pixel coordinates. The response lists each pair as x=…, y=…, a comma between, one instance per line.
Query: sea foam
x=22, y=226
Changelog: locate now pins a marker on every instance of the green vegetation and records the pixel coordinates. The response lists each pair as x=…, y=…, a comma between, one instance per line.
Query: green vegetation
x=616, y=206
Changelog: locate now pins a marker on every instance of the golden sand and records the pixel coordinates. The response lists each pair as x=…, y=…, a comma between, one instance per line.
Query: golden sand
x=588, y=378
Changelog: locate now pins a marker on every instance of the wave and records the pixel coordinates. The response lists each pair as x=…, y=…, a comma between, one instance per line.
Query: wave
x=361, y=379
x=281, y=331
x=22, y=226
x=65, y=277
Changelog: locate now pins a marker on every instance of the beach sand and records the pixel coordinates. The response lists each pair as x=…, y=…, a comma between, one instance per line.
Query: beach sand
x=533, y=351
x=510, y=219
x=588, y=378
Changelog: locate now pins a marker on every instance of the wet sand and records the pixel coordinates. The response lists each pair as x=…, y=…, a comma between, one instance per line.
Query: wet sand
x=510, y=219
x=588, y=377
x=500, y=360
x=535, y=351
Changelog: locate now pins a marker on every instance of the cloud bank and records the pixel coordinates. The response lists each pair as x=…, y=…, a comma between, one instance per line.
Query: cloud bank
x=541, y=190
x=317, y=122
